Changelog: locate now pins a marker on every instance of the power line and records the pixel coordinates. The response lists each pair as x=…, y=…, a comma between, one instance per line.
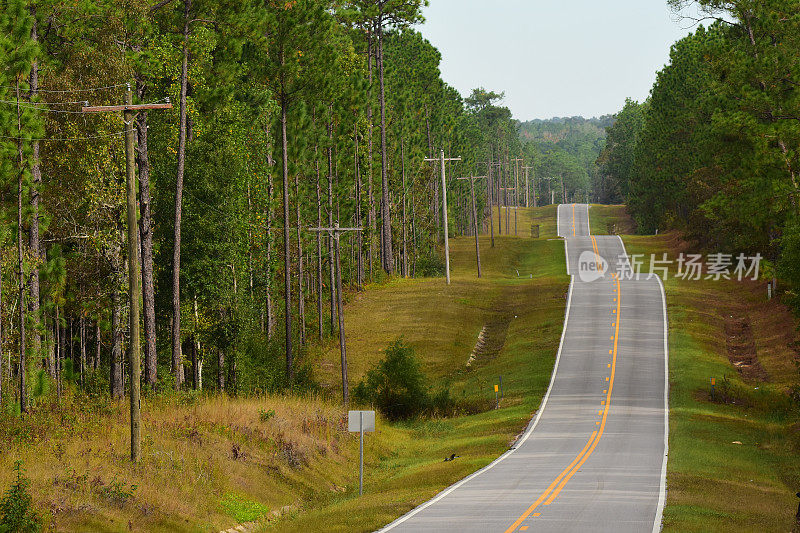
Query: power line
x=61, y=91
x=26, y=102
x=44, y=139
x=45, y=110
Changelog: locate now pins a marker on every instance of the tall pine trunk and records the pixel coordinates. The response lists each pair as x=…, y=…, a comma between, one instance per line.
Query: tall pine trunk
x=301, y=309
x=330, y=221
x=370, y=193
x=177, y=363
x=386, y=221
x=36, y=177
x=115, y=379
x=23, y=386
x=287, y=263
x=489, y=197
x=319, y=244
x=358, y=221
x=82, y=336
x=405, y=234
x=59, y=344
x=146, y=243
x=270, y=326
x=98, y=345
x=434, y=186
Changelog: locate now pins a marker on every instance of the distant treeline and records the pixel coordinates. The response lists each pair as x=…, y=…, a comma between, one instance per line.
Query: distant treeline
x=567, y=150
x=715, y=149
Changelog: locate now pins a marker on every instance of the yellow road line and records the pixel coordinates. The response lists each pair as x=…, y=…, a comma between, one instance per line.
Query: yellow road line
x=550, y=488
x=573, y=220
x=550, y=493
x=597, y=257
x=605, y=411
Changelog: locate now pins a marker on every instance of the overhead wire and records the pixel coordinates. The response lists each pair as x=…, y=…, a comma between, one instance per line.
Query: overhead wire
x=27, y=102
x=45, y=139
x=63, y=91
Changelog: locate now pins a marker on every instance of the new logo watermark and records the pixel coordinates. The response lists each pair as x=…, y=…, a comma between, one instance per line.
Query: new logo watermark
x=591, y=266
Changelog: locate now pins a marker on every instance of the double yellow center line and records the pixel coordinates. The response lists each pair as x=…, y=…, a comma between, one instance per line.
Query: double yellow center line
x=552, y=492
x=573, y=220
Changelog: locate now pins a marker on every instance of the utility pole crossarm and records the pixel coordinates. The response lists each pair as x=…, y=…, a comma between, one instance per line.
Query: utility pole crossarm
x=442, y=159
x=334, y=230
x=132, y=107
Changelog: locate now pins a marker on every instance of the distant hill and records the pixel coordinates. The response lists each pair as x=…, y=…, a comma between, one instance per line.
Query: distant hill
x=568, y=146
x=572, y=129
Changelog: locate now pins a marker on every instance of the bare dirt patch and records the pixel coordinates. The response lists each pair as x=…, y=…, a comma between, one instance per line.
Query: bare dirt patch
x=491, y=340
x=741, y=347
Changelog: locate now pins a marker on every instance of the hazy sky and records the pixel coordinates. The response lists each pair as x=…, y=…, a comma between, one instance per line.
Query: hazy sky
x=554, y=57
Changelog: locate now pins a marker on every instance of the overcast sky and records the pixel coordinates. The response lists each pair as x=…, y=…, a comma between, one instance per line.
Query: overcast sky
x=554, y=57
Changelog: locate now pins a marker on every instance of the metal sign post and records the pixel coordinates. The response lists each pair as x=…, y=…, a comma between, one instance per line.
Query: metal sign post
x=360, y=421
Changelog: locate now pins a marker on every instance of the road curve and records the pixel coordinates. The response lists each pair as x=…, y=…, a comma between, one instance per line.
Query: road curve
x=594, y=457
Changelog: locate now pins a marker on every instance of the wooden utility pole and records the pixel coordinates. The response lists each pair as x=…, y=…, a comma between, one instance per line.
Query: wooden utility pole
x=134, y=277
x=516, y=162
x=475, y=218
x=442, y=158
x=489, y=196
x=335, y=232
x=508, y=207
x=497, y=198
x=526, y=169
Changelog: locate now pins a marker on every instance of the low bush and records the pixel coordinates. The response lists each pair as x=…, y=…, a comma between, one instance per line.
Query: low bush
x=398, y=388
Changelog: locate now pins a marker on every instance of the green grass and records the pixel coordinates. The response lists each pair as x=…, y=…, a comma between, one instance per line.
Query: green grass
x=288, y=462
x=405, y=461
x=714, y=484
x=605, y=219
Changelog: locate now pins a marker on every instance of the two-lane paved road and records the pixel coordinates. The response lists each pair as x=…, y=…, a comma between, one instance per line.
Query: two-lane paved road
x=594, y=457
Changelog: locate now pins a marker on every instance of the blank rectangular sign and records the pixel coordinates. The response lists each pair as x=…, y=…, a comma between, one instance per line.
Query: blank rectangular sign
x=354, y=420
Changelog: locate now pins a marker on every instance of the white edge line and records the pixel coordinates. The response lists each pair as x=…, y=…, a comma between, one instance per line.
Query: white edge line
x=558, y=220
x=527, y=434
x=662, y=496
x=588, y=224
x=566, y=249
x=624, y=251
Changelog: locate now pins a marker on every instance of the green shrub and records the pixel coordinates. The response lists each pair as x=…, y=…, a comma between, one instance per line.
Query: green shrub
x=430, y=265
x=16, y=507
x=396, y=386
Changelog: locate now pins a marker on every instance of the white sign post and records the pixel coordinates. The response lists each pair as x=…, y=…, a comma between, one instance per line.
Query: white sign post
x=361, y=421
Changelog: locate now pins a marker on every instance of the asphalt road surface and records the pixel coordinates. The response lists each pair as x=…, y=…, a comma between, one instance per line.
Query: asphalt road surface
x=594, y=456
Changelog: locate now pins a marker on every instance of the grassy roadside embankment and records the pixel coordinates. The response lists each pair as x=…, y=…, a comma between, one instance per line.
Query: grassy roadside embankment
x=521, y=299
x=288, y=463
x=734, y=460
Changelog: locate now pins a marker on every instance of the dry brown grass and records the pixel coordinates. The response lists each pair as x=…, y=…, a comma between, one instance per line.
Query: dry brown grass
x=194, y=457
x=211, y=462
